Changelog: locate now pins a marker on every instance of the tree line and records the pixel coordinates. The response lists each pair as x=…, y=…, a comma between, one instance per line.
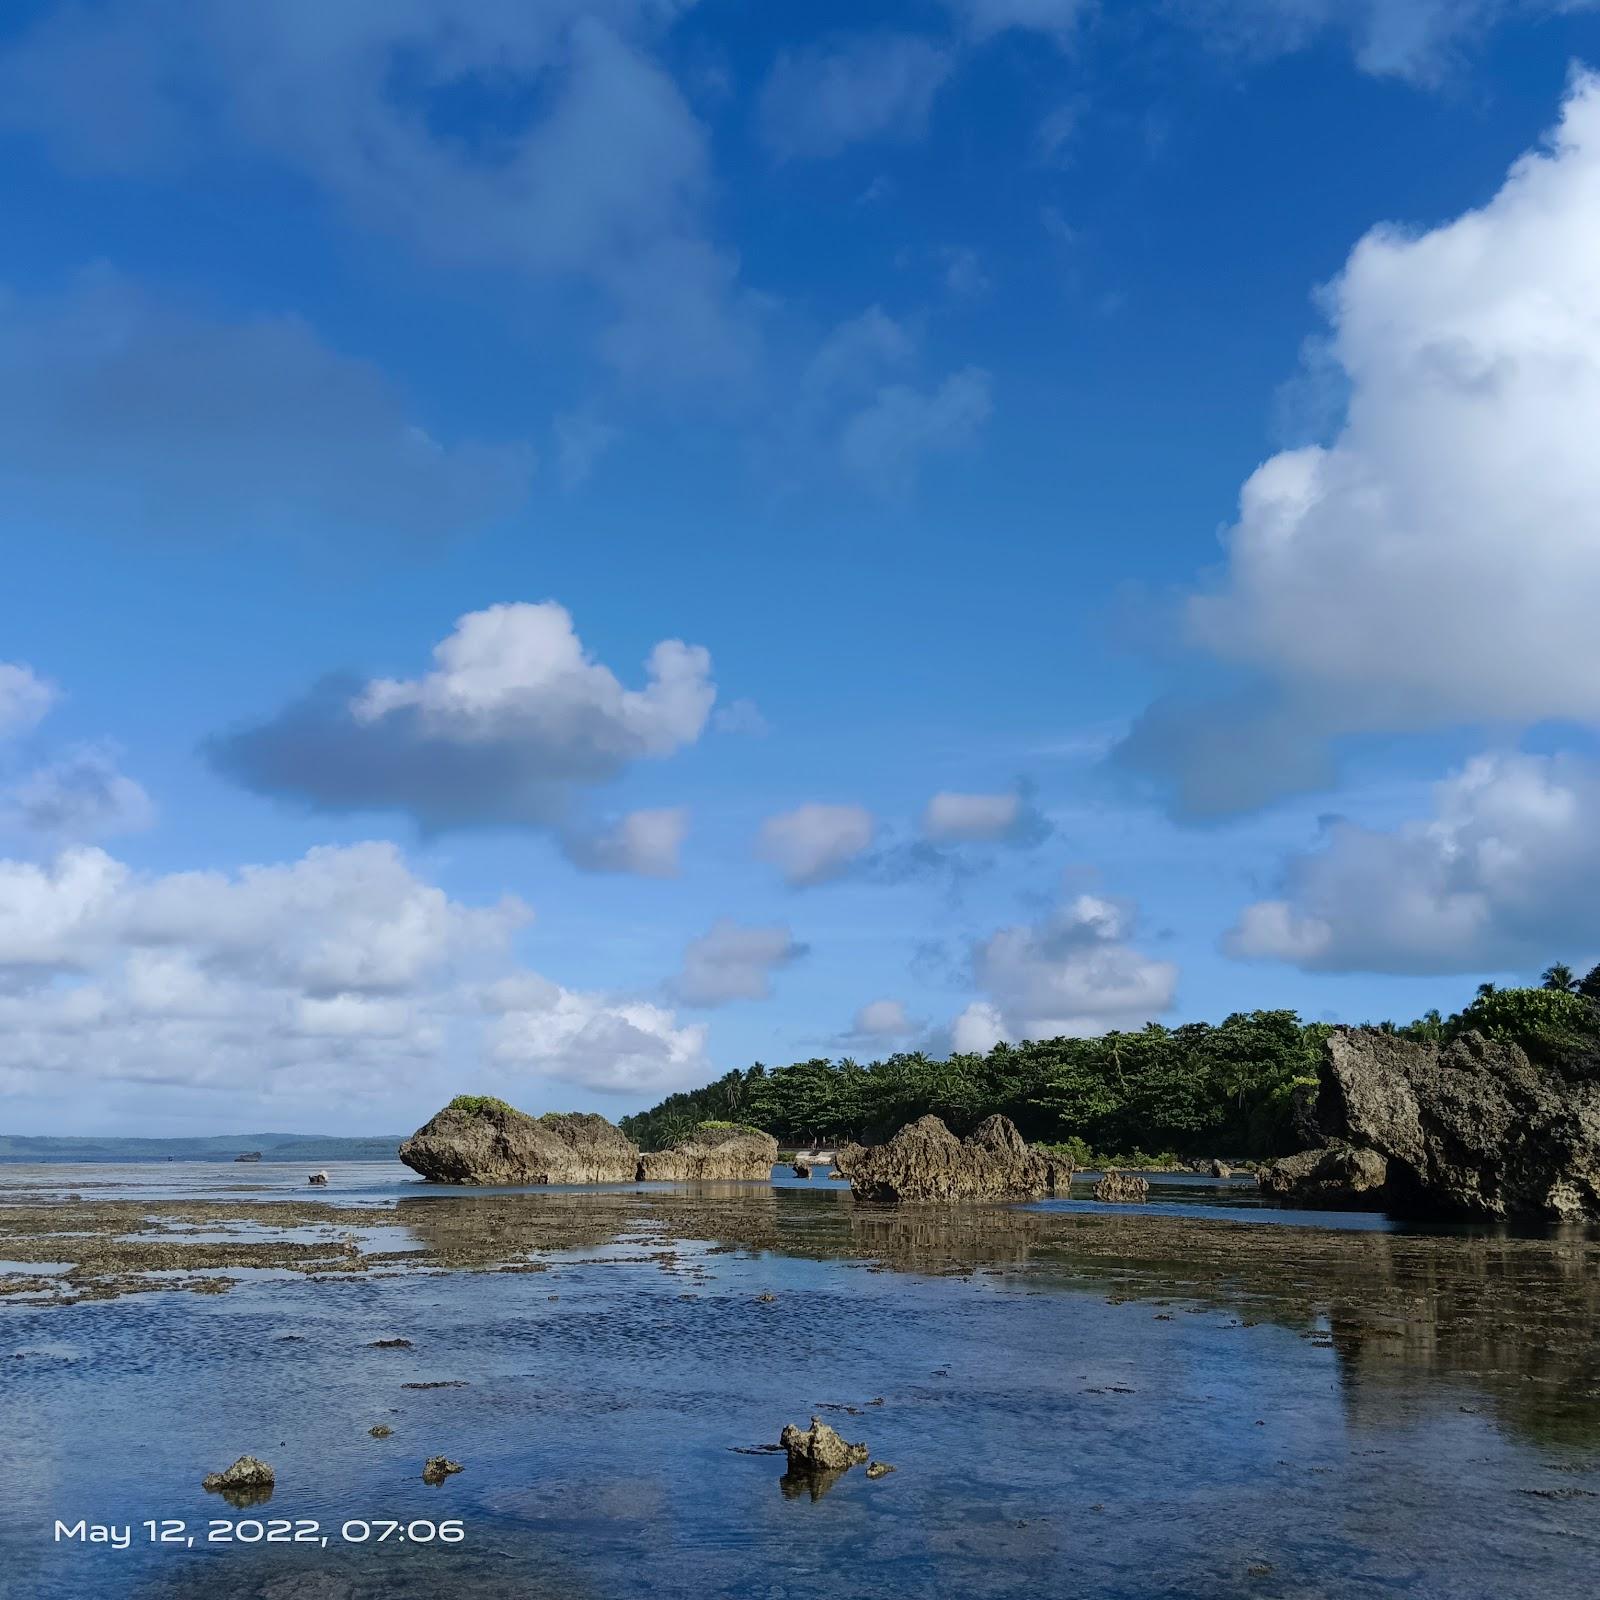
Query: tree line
x=1195, y=1090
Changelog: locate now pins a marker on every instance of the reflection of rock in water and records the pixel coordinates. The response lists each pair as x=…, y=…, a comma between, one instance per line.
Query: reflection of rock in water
x=1516, y=1325
x=941, y=1239
x=799, y=1485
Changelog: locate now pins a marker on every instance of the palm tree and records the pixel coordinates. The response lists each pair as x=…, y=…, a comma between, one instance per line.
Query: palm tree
x=1560, y=976
x=1485, y=989
x=1589, y=988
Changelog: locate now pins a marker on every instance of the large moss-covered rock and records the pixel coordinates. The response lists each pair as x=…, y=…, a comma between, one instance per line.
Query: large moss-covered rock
x=925, y=1161
x=1469, y=1129
x=714, y=1152
x=480, y=1140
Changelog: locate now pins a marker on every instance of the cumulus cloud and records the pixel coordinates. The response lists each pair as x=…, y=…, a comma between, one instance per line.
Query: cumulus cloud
x=613, y=1046
x=977, y=1029
x=1435, y=564
x=81, y=795
x=646, y=843
x=25, y=698
x=883, y=1019
x=824, y=98
x=513, y=718
x=733, y=962
x=1074, y=972
x=1504, y=874
x=340, y=971
x=952, y=818
x=123, y=415
x=586, y=160
x=815, y=843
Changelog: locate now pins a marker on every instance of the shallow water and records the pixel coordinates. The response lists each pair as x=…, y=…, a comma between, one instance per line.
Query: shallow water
x=1189, y=1398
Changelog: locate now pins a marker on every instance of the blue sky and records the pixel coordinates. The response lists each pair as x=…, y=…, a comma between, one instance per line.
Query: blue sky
x=560, y=549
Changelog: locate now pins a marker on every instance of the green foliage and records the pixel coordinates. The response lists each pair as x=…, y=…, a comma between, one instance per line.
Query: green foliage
x=1545, y=1022
x=478, y=1104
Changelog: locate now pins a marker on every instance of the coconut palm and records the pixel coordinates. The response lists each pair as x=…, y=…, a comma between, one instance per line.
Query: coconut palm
x=1560, y=976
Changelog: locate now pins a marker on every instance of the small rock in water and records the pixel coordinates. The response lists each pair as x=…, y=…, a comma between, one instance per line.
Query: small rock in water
x=878, y=1469
x=390, y=1344
x=438, y=1468
x=1221, y=1169
x=1122, y=1188
x=318, y=1179
x=245, y=1473
x=381, y=1431
x=819, y=1449
x=766, y=1299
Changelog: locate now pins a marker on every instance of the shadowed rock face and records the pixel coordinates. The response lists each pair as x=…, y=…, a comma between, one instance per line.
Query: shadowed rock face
x=925, y=1161
x=496, y=1144
x=714, y=1153
x=1470, y=1130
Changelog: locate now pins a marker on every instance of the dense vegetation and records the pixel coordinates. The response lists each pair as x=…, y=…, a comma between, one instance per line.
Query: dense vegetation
x=1195, y=1090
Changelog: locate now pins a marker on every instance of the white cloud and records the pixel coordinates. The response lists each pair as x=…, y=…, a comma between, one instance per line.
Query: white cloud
x=601, y=170
x=977, y=1030
x=883, y=1019
x=1436, y=564
x=646, y=843
x=814, y=843
x=733, y=962
x=824, y=98
x=886, y=443
x=514, y=716
x=340, y=973
x=1504, y=874
x=25, y=698
x=951, y=816
x=1072, y=973
x=612, y=1046
x=80, y=795
x=129, y=417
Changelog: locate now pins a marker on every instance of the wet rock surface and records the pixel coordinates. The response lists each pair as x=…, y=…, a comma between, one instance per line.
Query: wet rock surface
x=1122, y=1188
x=925, y=1161
x=246, y=1473
x=437, y=1468
x=1469, y=1129
x=493, y=1143
x=716, y=1152
x=819, y=1448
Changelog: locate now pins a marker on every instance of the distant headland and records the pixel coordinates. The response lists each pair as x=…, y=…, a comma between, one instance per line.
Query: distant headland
x=312, y=1147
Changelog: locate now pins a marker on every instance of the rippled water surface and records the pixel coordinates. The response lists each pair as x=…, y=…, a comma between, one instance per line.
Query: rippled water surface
x=1189, y=1398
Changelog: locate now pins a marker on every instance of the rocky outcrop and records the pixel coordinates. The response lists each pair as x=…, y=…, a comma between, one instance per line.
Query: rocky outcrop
x=716, y=1152
x=318, y=1180
x=245, y=1474
x=1221, y=1169
x=1468, y=1129
x=1122, y=1189
x=801, y=1169
x=437, y=1468
x=819, y=1449
x=925, y=1161
x=476, y=1140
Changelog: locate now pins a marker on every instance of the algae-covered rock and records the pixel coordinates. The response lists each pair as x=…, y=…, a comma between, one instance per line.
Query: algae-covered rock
x=246, y=1473
x=481, y=1140
x=819, y=1449
x=714, y=1152
x=1122, y=1188
x=437, y=1468
x=925, y=1161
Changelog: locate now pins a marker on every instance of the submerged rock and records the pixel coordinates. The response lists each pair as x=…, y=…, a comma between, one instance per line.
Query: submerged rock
x=879, y=1469
x=714, y=1152
x=801, y=1169
x=381, y=1430
x=1469, y=1129
x=246, y=1473
x=479, y=1140
x=1122, y=1188
x=819, y=1449
x=437, y=1468
x=925, y=1161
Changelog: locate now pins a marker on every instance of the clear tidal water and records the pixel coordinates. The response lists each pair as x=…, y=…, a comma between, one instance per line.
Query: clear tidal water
x=1191, y=1398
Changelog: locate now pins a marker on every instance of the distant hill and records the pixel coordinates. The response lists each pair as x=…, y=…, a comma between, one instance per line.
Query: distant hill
x=309, y=1147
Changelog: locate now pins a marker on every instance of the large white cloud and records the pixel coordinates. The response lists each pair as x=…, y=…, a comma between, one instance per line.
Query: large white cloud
x=814, y=843
x=1504, y=875
x=601, y=171
x=732, y=961
x=1436, y=564
x=1074, y=972
x=513, y=718
x=125, y=415
x=340, y=972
